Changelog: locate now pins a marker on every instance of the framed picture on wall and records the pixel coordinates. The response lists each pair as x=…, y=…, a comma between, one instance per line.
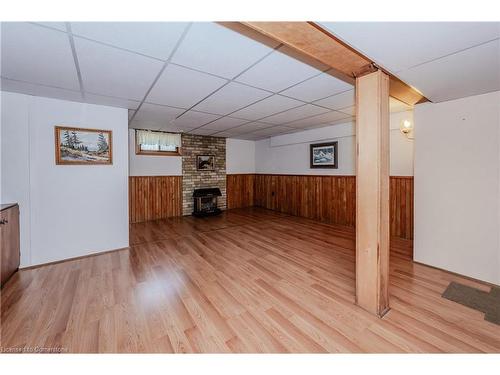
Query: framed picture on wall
x=78, y=146
x=205, y=162
x=324, y=155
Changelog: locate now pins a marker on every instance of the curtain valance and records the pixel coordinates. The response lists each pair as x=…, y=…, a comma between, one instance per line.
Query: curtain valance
x=149, y=137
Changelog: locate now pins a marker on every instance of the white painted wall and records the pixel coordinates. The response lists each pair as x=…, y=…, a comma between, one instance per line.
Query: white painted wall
x=143, y=165
x=401, y=147
x=289, y=153
x=240, y=156
x=457, y=187
x=66, y=211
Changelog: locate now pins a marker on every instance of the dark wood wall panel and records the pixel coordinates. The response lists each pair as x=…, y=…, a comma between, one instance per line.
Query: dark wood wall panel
x=401, y=207
x=330, y=199
x=325, y=198
x=154, y=197
x=240, y=190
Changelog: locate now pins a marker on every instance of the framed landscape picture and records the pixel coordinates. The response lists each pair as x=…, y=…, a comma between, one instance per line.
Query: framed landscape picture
x=79, y=146
x=205, y=162
x=324, y=155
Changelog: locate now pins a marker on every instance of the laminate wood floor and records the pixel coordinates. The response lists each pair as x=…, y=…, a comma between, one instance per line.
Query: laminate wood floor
x=250, y=280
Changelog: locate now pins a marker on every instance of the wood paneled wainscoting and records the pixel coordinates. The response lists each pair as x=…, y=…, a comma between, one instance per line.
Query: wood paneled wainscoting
x=154, y=197
x=330, y=199
x=240, y=190
x=401, y=206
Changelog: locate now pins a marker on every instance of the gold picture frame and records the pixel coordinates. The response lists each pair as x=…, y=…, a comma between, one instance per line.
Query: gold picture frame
x=82, y=146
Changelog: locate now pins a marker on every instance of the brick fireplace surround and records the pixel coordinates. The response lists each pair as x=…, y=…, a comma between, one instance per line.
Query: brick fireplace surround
x=193, y=145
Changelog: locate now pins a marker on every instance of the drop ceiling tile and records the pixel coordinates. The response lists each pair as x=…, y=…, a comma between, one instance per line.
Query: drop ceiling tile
x=471, y=72
x=248, y=137
x=203, y=131
x=225, y=123
x=35, y=54
x=153, y=117
x=156, y=39
x=342, y=100
x=267, y=107
x=249, y=127
x=275, y=130
x=54, y=25
x=113, y=72
x=130, y=113
x=225, y=134
x=317, y=88
x=181, y=87
x=174, y=128
x=326, y=118
x=111, y=101
x=351, y=111
x=416, y=42
x=146, y=125
x=277, y=72
x=229, y=134
x=215, y=49
x=40, y=90
x=193, y=119
x=298, y=113
x=341, y=121
x=230, y=98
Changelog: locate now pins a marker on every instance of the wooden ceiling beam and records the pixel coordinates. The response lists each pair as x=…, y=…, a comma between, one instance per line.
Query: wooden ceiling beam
x=318, y=46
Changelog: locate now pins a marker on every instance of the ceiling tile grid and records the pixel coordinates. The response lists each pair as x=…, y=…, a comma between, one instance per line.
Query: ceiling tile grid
x=225, y=123
x=156, y=116
x=323, y=119
x=249, y=127
x=61, y=26
x=416, y=42
x=349, y=110
x=216, y=49
x=193, y=119
x=298, y=113
x=155, y=39
x=202, y=131
x=230, y=98
x=119, y=65
x=317, y=88
x=27, y=88
x=208, y=76
x=276, y=72
x=471, y=72
x=111, y=101
x=275, y=130
x=38, y=55
x=267, y=107
x=337, y=101
x=443, y=60
x=114, y=72
x=181, y=87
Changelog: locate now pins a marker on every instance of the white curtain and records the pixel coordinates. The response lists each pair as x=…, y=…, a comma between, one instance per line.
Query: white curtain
x=148, y=137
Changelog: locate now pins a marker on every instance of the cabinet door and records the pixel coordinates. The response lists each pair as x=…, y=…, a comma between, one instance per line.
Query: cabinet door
x=9, y=242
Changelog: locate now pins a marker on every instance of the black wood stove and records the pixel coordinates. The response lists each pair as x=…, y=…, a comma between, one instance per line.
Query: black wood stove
x=205, y=202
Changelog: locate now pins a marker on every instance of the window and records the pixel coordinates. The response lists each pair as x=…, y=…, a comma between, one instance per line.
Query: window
x=157, y=143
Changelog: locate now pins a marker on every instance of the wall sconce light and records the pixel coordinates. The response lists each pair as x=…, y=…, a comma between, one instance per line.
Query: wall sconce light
x=406, y=128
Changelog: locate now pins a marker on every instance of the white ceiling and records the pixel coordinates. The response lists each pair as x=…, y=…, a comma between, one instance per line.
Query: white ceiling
x=444, y=60
x=204, y=78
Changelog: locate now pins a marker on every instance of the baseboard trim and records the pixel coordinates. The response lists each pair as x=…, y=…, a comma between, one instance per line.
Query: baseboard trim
x=72, y=259
x=457, y=274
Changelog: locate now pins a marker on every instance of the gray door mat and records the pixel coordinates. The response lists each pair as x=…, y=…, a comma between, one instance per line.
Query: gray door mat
x=487, y=302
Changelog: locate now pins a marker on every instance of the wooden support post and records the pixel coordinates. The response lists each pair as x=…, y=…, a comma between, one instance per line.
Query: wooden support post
x=372, y=192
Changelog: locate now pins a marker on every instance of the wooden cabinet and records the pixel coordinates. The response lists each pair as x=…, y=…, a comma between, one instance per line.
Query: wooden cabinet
x=9, y=241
